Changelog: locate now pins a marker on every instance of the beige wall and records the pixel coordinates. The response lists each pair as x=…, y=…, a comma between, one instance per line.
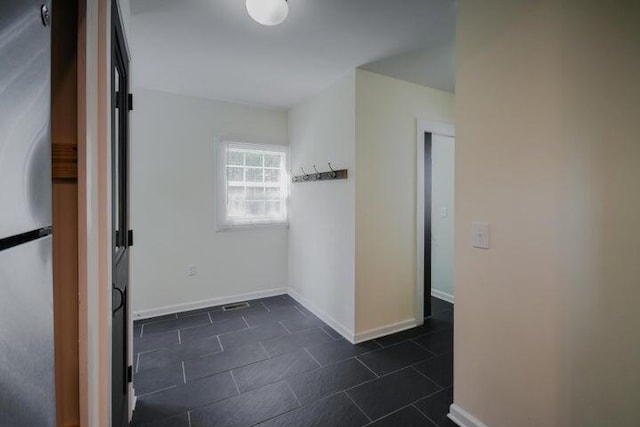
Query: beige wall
x=387, y=111
x=547, y=125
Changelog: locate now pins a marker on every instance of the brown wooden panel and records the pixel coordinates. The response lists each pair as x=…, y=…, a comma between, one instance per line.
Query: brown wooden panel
x=64, y=125
x=65, y=300
x=65, y=161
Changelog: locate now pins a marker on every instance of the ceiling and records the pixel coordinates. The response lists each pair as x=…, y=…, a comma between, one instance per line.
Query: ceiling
x=213, y=49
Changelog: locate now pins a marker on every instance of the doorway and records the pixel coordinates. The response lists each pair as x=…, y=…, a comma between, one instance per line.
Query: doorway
x=435, y=215
x=121, y=235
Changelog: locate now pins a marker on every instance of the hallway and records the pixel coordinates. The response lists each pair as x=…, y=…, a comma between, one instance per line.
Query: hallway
x=273, y=363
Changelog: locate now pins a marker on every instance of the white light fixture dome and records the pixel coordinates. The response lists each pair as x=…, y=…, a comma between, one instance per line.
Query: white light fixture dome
x=268, y=12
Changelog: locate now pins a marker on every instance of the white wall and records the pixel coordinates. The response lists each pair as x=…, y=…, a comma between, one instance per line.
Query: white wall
x=386, y=113
x=172, y=203
x=547, y=125
x=442, y=215
x=321, y=233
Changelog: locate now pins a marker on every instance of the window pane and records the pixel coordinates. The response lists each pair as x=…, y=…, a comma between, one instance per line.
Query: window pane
x=255, y=208
x=255, y=187
x=255, y=193
x=235, y=192
x=272, y=193
x=272, y=209
x=272, y=160
x=254, y=159
x=254, y=175
x=235, y=158
x=234, y=174
x=235, y=208
x=272, y=175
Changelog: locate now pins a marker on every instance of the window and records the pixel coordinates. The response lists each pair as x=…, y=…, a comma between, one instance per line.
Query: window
x=252, y=185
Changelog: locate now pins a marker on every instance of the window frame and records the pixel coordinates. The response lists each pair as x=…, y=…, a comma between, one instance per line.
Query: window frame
x=221, y=185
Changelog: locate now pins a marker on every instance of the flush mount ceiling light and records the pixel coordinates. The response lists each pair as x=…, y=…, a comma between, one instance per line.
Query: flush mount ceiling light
x=268, y=12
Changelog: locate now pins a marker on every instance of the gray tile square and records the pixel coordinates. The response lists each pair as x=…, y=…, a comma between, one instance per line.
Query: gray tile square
x=296, y=341
x=224, y=361
x=389, y=393
x=247, y=409
x=164, y=404
x=302, y=323
x=275, y=315
x=155, y=342
x=273, y=370
x=407, y=417
x=253, y=335
x=218, y=327
x=318, y=383
x=338, y=350
x=334, y=411
x=389, y=359
x=155, y=379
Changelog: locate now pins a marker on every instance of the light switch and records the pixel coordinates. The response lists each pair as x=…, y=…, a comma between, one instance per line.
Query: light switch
x=480, y=235
x=444, y=212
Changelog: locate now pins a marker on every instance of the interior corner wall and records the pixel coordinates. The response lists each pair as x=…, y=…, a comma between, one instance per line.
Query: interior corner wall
x=322, y=214
x=387, y=111
x=547, y=152
x=172, y=204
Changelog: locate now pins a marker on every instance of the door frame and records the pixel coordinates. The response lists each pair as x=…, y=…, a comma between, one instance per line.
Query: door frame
x=120, y=189
x=434, y=128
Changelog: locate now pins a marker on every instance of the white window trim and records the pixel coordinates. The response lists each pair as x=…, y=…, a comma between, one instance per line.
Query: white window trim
x=221, y=224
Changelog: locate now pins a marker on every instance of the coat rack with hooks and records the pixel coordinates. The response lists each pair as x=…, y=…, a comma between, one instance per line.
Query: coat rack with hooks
x=316, y=175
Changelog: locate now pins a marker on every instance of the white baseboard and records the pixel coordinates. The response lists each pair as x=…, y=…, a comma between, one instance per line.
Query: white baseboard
x=384, y=330
x=463, y=418
x=352, y=337
x=442, y=295
x=171, y=309
x=337, y=326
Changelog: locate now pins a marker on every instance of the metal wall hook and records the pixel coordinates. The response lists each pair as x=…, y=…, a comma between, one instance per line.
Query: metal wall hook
x=318, y=174
x=332, y=173
x=304, y=174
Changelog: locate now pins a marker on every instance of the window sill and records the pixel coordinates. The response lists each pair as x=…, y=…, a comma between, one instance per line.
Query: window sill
x=253, y=227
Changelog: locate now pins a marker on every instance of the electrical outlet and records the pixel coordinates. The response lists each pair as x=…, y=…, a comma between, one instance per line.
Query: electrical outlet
x=192, y=270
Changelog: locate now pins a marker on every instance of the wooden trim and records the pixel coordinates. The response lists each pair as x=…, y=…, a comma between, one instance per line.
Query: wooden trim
x=64, y=134
x=104, y=263
x=65, y=160
x=83, y=327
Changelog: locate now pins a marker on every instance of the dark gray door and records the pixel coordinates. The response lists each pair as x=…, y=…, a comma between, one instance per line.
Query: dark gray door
x=427, y=223
x=122, y=237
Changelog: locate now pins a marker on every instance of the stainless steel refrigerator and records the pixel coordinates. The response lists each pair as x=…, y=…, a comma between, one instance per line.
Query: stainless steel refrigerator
x=27, y=387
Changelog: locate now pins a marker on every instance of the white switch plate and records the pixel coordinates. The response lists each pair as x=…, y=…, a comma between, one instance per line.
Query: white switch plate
x=192, y=270
x=480, y=235
x=444, y=212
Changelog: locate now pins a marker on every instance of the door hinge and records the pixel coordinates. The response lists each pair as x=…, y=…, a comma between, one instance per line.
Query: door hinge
x=130, y=238
x=130, y=101
x=129, y=374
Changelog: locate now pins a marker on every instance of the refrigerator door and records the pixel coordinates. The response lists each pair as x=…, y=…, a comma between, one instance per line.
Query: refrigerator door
x=25, y=159
x=27, y=387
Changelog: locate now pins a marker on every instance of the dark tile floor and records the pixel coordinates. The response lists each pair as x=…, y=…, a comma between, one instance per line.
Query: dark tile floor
x=273, y=363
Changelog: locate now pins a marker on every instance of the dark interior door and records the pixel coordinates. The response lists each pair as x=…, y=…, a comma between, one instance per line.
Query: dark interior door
x=427, y=224
x=120, y=102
